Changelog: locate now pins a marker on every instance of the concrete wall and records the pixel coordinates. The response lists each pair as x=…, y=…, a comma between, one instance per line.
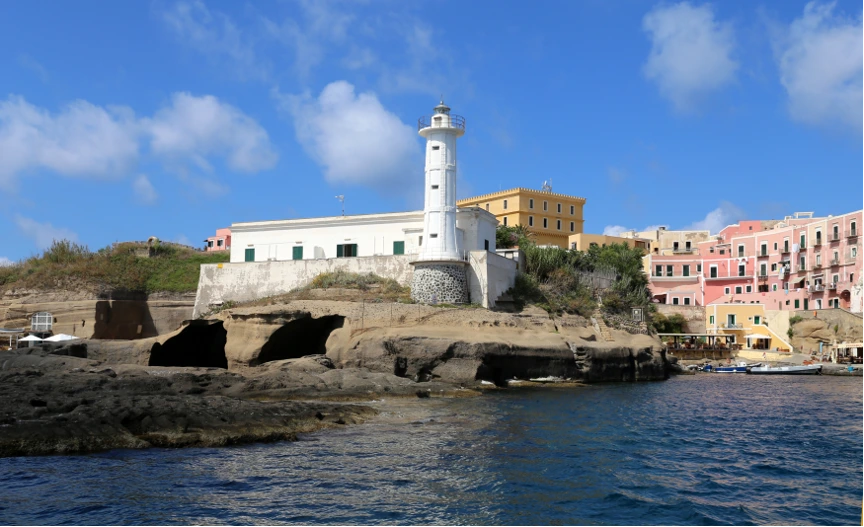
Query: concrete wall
x=778, y=321
x=489, y=276
x=241, y=282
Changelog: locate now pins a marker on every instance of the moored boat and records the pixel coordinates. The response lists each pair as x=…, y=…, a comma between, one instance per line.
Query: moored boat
x=741, y=367
x=810, y=369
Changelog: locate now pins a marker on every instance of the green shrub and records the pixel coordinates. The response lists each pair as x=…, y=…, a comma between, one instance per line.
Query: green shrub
x=795, y=319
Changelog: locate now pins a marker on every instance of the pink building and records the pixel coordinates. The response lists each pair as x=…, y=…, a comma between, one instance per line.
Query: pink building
x=220, y=242
x=797, y=263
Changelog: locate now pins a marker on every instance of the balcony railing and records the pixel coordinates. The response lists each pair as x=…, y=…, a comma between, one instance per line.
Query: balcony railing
x=784, y=249
x=817, y=265
x=852, y=233
x=802, y=269
x=817, y=242
x=816, y=288
x=835, y=262
x=732, y=326
x=446, y=121
x=761, y=276
x=832, y=286
x=683, y=251
x=762, y=253
x=834, y=237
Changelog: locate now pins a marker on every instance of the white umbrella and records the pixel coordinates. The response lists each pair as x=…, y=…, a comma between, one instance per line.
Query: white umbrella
x=758, y=337
x=30, y=338
x=61, y=337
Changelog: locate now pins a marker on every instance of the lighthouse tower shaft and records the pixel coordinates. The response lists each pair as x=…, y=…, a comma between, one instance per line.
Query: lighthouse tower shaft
x=440, y=237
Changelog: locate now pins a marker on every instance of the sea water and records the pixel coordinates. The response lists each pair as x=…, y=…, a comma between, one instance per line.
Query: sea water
x=707, y=449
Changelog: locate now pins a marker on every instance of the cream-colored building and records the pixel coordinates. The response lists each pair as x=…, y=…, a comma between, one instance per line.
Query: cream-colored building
x=583, y=241
x=550, y=218
x=663, y=241
x=746, y=322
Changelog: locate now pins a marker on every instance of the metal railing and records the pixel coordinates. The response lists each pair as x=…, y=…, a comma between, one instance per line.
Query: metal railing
x=817, y=242
x=732, y=326
x=447, y=121
x=852, y=233
x=834, y=262
x=762, y=253
x=832, y=286
x=834, y=237
x=817, y=265
x=761, y=276
x=784, y=250
x=816, y=288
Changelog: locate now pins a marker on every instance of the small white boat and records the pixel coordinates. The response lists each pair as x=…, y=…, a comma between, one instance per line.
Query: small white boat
x=810, y=369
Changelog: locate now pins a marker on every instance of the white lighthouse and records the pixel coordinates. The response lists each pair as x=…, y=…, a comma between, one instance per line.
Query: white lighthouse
x=439, y=271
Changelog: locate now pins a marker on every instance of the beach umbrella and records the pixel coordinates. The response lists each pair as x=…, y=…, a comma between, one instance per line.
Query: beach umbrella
x=61, y=337
x=30, y=338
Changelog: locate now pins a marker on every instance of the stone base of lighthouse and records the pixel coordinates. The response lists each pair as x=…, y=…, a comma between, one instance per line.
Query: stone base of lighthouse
x=440, y=283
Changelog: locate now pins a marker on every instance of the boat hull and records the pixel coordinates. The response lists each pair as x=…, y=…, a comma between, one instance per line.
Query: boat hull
x=787, y=370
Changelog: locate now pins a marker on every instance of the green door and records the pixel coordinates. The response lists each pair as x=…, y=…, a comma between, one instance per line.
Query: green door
x=250, y=255
x=806, y=304
x=398, y=247
x=297, y=253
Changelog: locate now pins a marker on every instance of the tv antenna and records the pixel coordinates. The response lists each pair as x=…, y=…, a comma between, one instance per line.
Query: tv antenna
x=547, y=186
x=341, y=198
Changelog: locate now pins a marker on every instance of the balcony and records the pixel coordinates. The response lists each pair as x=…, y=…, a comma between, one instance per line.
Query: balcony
x=685, y=250
x=832, y=286
x=675, y=278
x=762, y=277
x=724, y=277
x=784, y=249
x=835, y=262
x=441, y=121
x=852, y=233
x=802, y=269
x=834, y=237
x=817, y=265
x=762, y=254
x=816, y=288
x=732, y=326
x=817, y=242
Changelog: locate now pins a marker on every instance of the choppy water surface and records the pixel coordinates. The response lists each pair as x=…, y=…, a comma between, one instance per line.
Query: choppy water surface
x=709, y=449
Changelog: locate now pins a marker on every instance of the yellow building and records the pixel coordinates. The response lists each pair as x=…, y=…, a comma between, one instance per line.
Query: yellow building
x=582, y=241
x=747, y=323
x=550, y=218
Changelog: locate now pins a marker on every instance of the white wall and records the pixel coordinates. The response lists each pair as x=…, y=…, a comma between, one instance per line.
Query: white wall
x=489, y=276
x=242, y=282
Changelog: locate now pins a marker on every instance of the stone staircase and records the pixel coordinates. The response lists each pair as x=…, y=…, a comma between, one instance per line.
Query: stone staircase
x=505, y=303
x=600, y=327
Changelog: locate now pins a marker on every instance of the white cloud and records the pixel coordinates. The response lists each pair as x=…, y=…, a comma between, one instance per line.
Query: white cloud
x=43, y=234
x=144, y=191
x=5, y=262
x=193, y=128
x=726, y=214
x=353, y=137
x=82, y=140
x=215, y=35
x=820, y=60
x=206, y=187
x=690, y=52
x=616, y=230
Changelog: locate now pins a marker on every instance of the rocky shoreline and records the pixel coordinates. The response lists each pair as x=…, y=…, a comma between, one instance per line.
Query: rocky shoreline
x=273, y=372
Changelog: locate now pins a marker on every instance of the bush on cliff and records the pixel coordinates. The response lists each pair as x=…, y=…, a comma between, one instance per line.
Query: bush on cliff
x=117, y=268
x=671, y=324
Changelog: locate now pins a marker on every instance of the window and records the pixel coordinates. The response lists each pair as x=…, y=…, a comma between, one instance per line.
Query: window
x=738, y=290
x=434, y=187
x=436, y=147
x=711, y=249
x=559, y=208
x=505, y=204
x=740, y=251
x=742, y=269
x=802, y=263
x=713, y=271
x=854, y=252
x=774, y=267
x=658, y=270
x=668, y=270
x=349, y=250
x=531, y=203
x=748, y=289
x=687, y=246
x=685, y=270
x=485, y=245
x=763, y=270
x=764, y=250
x=774, y=287
x=250, y=255
x=722, y=251
x=572, y=226
x=572, y=210
x=757, y=319
x=852, y=277
x=505, y=221
x=726, y=290
x=806, y=304
x=818, y=236
x=399, y=247
x=711, y=319
x=836, y=232
x=675, y=246
x=835, y=278
x=797, y=303
x=686, y=301
x=433, y=235
x=852, y=227
x=785, y=245
x=775, y=246
x=836, y=258
x=545, y=205
x=297, y=253
x=699, y=268
x=420, y=243
x=487, y=207
x=530, y=221
x=803, y=239
x=209, y=243
x=545, y=223
x=558, y=225
x=675, y=300
x=730, y=320
x=219, y=243
x=573, y=245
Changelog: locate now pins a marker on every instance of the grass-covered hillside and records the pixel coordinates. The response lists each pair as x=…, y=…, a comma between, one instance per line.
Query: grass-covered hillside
x=123, y=267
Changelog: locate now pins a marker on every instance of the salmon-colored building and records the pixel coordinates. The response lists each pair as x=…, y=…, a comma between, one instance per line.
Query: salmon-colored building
x=797, y=263
x=220, y=242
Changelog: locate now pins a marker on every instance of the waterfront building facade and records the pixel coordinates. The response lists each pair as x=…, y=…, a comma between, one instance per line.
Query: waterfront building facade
x=550, y=218
x=797, y=263
x=220, y=242
x=746, y=325
x=584, y=241
x=662, y=241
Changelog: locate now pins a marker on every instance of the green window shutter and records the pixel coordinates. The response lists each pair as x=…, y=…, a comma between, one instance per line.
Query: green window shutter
x=806, y=304
x=711, y=319
x=250, y=255
x=686, y=270
x=757, y=320
x=353, y=249
x=398, y=247
x=297, y=253
x=340, y=251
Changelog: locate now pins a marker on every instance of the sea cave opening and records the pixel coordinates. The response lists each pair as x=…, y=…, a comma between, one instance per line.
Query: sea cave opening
x=301, y=337
x=200, y=344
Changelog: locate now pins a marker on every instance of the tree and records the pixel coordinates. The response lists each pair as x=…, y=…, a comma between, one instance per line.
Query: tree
x=507, y=237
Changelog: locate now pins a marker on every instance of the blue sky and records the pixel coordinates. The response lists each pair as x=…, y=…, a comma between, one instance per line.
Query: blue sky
x=124, y=120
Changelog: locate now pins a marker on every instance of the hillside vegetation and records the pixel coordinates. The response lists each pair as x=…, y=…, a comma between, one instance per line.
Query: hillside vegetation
x=115, y=269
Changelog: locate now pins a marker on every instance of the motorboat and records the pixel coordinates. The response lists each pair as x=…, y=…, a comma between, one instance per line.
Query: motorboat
x=740, y=367
x=807, y=369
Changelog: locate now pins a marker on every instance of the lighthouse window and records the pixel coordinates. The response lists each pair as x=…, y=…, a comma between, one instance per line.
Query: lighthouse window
x=433, y=235
x=572, y=210
x=559, y=208
x=530, y=203
x=505, y=205
x=545, y=205
x=436, y=147
x=434, y=187
x=530, y=221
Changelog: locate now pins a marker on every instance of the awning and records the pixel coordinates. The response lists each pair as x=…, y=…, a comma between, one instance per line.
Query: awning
x=765, y=337
x=30, y=338
x=62, y=337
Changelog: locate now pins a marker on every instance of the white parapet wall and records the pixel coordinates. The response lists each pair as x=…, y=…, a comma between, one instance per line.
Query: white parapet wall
x=243, y=282
x=490, y=276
